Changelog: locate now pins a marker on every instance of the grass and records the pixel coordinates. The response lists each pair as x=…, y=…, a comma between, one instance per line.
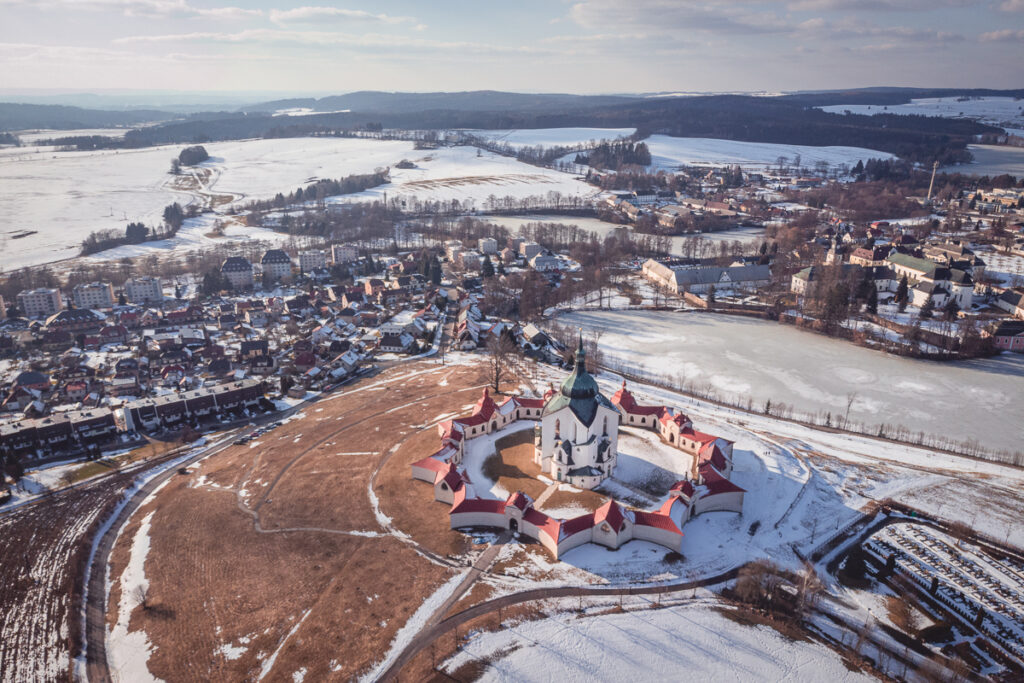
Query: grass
x=116, y=462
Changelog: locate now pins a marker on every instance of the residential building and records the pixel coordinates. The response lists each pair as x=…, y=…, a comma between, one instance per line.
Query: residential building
x=1009, y=335
x=530, y=249
x=312, y=259
x=344, y=253
x=545, y=262
x=143, y=290
x=276, y=265
x=488, y=245
x=238, y=272
x=94, y=295
x=41, y=302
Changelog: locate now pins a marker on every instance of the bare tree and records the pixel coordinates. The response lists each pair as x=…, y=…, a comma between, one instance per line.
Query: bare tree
x=141, y=595
x=501, y=359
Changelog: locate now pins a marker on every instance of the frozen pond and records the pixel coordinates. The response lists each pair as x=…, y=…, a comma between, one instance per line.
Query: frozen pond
x=992, y=160
x=741, y=357
x=602, y=229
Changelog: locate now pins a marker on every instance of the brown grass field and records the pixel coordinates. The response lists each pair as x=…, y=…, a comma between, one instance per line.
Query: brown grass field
x=256, y=539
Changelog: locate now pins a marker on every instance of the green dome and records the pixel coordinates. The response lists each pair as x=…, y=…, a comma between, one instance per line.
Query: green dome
x=580, y=384
x=580, y=392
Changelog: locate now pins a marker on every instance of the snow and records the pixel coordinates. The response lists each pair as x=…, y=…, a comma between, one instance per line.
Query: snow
x=459, y=173
x=996, y=111
x=416, y=622
x=31, y=137
x=992, y=160
x=739, y=358
x=603, y=229
x=64, y=196
x=648, y=645
x=551, y=137
x=669, y=153
x=231, y=652
x=128, y=651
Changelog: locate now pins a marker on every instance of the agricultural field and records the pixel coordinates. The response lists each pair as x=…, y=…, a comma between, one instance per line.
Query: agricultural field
x=741, y=358
x=552, y=137
x=670, y=153
x=474, y=177
x=45, y=547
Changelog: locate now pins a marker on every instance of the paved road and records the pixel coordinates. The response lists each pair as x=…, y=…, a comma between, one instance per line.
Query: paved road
x=95, y=596
x=431, y=633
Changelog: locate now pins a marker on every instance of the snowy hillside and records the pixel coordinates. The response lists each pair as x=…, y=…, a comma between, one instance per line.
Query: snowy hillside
x=669, y=153
x=469, y=175
x=552, y=137
x=1005, y=112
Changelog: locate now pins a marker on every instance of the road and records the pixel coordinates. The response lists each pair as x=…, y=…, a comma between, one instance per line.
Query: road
x=431, y=632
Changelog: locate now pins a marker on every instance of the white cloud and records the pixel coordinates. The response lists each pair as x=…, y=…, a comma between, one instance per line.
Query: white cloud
x=1006, y=35
x=305, y=15
x=1012, y=6
x=140, y=8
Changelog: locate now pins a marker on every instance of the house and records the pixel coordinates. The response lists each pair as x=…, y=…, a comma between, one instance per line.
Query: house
x=1008, y=335
x=397, y=343
x=700, y=280
x=94, y=295
x=39, y=303
x=312, y=259
x=276, y=265
x=143, y=290
x=344, y=253
x=238, y=272
x=1012, y=302
x=545, y=262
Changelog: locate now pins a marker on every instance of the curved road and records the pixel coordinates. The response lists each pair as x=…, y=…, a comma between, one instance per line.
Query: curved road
x=424, y=638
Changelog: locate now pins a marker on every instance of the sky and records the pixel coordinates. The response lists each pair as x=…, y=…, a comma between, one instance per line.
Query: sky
x=589, y=46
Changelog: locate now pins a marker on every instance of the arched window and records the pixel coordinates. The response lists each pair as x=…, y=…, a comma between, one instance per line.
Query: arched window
x=558, y=428
x=606, y=425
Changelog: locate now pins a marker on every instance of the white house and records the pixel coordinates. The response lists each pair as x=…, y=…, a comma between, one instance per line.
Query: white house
x=312, y=259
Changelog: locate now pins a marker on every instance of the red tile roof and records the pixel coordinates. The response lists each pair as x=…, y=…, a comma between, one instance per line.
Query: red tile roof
x=612, y=513
x=485, y=407
x=465, y=504
x=519, y=500
x=684, y=487
x=577, y=524
x=549, y=525
x=625, y=400
x=716, y=483
x=656, y=520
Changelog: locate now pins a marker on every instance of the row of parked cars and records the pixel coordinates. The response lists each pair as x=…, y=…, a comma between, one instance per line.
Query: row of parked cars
x=246, y=438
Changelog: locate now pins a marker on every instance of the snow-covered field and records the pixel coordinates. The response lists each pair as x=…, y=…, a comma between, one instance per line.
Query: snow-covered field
x=470, y=176
x=678, y=643
x=61, y=197
x=602, y=229
x=992, y=160
x=551, y=137
x=669, y=153
x=996, y=111
x=741, y=357
x=31, y=137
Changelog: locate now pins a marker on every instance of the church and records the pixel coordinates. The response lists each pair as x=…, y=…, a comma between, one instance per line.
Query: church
x=577, y=438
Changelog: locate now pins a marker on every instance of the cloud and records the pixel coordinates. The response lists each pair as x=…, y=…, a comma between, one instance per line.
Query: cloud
x=141, y=8
x=1006, y=35
x=1012, y=6
x=372, y=43
x=306, y=15
x=877, y=5
x=673, y=15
